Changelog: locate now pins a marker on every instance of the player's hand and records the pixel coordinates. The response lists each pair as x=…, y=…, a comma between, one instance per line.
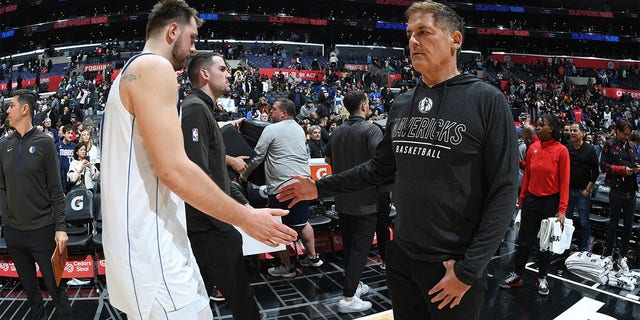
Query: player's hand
x=449, y=290
x=302, y=189
x=263, y=227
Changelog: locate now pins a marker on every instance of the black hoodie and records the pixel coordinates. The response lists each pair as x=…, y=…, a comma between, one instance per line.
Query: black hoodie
x=30, y=190
x=453, y=150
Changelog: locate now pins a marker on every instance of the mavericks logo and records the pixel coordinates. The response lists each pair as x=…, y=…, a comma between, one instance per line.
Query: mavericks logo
x=425, y=105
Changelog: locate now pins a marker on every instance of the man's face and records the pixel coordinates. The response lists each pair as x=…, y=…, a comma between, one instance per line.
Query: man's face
x=68, y=135
x=575, y=133
x=430, y=46
x=315, y=134
x=219, y=75
x=277, y=114
x=623, y=135
x=14, y=112
x=184, y=44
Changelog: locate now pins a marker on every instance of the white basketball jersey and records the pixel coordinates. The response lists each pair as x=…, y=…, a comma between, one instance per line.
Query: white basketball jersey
x=148, y=255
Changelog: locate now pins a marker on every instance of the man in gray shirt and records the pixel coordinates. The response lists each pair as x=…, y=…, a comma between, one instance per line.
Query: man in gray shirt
x=282, y=148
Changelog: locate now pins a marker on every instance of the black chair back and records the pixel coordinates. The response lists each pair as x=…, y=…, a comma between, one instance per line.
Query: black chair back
x=79, y=207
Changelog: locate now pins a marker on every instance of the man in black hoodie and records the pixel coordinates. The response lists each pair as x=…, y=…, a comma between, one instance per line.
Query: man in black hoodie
x=451, y=145
x=216, y=245
x=32, y=204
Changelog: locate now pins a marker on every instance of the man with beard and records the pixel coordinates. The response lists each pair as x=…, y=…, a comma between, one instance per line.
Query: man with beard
x=152, y=273
x=216, y=245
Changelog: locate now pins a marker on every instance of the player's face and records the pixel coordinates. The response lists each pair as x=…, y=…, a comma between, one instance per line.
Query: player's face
x=185, y=44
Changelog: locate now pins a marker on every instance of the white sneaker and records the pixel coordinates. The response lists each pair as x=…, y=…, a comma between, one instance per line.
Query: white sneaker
x=362, y=290
x=77, y=282
x=355, y=305
x=282, y=271
x=622, y=263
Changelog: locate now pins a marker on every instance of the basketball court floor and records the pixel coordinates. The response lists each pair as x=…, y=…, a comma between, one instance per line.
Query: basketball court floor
x=314, y=293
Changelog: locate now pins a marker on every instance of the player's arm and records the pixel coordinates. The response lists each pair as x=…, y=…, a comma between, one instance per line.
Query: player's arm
x=150, y=92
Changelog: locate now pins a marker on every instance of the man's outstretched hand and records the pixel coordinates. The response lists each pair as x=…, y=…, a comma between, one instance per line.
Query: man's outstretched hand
x=302, y=188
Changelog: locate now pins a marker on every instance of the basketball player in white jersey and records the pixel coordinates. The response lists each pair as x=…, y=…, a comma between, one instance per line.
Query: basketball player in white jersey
x=151, y=271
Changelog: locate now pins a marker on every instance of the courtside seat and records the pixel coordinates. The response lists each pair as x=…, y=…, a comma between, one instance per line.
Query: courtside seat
x=598, y=218
x=79, y=210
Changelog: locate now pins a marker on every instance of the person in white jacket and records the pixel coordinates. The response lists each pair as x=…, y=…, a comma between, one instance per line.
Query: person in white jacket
x=81, y=172
x=93, y=152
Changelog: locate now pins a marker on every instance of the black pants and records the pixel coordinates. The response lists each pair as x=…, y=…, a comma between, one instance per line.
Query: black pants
x=357, y=235
x=620, y=202
x=410, y=280
x=382, y=225
x=26, y=248
x=534, y=210
x=219, y=257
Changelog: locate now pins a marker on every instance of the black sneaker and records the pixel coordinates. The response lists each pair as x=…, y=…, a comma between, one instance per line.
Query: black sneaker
x=309, y=261
x=511, y=281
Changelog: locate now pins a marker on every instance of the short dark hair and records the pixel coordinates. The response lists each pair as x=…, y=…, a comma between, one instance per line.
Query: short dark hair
x=353, y=100
x=167, y=11
x=27, y=97
x=66, y=128
x=288, y=106
x=622, y=124
x=201, y=60
x=580, y=126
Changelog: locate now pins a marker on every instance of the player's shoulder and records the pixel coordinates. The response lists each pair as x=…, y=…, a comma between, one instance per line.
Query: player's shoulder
x=150, y=64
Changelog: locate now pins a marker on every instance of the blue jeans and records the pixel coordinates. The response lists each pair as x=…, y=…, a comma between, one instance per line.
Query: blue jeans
x=581, y=203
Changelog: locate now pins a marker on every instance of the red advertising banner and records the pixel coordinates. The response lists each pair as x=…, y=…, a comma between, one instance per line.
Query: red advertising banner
x=580, y=62
x=76, y=267
x=53, y=82
x=393, y=77
x=616, y=93
x=355, y=67
x=8, y=269
x=102, y=265
x=95, y=67
x=311, y=75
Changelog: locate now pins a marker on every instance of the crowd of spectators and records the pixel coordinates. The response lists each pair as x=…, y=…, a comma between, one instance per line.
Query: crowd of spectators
x=531, y=90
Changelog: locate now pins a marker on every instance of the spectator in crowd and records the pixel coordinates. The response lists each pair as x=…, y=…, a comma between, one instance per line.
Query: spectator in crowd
x=65, y=149
x=216, y=245
x=544, y=194
x=46, y=127
x=32, y=206
x=452, y=277
x=93, y=152
x=315, y=144
x=584, y=172
x=353, y=143
x=620, y=163
x=82, y=172
x=282, y=149
x=134, y=154
x=307, y=109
